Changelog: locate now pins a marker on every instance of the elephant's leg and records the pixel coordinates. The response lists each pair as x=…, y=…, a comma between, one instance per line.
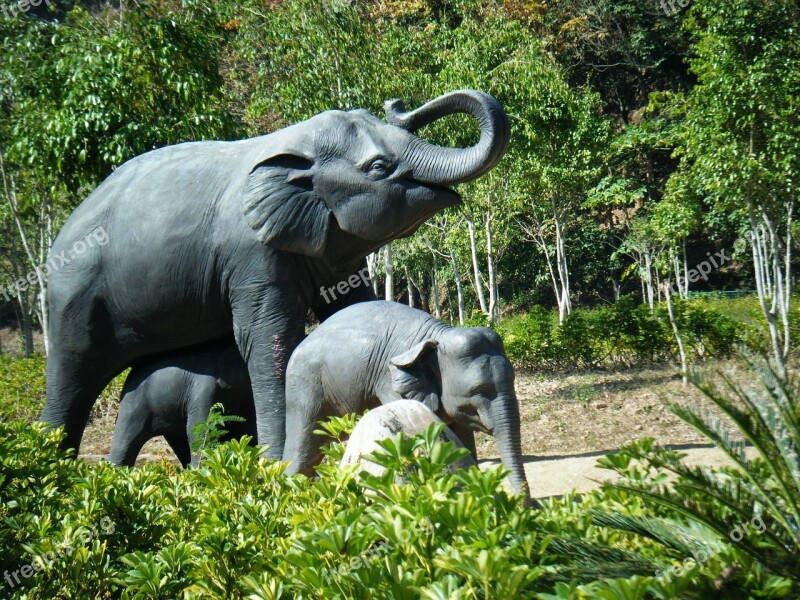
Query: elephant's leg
x=132, y=430
x=268, y=326
x=180, y=446
x=83, y=357
x=303, y=450
x=304, y=407
x=239, y=402
x=466, y=436
x=74, y=381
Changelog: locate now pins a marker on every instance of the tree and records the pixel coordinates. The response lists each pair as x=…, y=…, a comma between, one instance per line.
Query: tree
x=741, y=147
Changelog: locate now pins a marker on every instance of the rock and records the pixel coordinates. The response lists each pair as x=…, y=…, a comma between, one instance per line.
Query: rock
x=409, y=416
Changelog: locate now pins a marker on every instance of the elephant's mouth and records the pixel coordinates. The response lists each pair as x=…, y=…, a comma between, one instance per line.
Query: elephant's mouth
x=442, y=192
x=474, y=421
x=439, y=189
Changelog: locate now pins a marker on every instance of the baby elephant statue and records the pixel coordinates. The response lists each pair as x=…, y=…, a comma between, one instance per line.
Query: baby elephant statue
x=373, y=353
x=169, y=395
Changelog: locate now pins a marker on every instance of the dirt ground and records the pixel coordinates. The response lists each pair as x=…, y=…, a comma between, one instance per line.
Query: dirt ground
x=565, y=414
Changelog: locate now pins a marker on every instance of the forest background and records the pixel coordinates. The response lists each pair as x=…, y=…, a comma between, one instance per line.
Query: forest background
x=655, y=147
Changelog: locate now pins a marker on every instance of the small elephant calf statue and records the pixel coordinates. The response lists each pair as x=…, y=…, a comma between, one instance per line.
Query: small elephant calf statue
x=373, y=353
x=385, y=422
x=168, y=396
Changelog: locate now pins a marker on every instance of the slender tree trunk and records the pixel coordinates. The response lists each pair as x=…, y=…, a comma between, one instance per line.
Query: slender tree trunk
x=494, y=301
x=45, y=242
x=437, y=309
x=676, y=332
x=648, y=274
x=685, y=273
x=557, y=291
x=424, y=296
x=615, y=289
x=772, y=270
x=658, y=284
x=459, y=289
x=25, y=322
x=641, y=280
x=389, y=268
x=409, y=287
x=786, y=295
x=565, y=306
x=34, y=261
x=475, y=267
x=372, y=269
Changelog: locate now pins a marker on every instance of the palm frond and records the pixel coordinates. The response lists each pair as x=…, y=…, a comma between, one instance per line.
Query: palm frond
x=765, y=487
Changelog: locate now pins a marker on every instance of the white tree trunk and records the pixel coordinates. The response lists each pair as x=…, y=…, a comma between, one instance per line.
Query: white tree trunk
x=648, y=279
x=459, y=288
x=685, y=274
x=389, y=268
x=45, y=242
x=437, y=309
x=475, y=267
x=409, y=287
x=494, y=300
x=676, y=332
x=372, y=269
x=542, y=243
x=565, y=306
x=35, y=261
x=772, y=270
x=615, y=288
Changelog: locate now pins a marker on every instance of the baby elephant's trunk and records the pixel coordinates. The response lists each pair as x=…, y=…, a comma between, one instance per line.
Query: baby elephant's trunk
x=505, y=413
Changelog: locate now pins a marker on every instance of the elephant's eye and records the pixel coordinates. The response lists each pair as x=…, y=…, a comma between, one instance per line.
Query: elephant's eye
x=378, y=167
x=483, y=390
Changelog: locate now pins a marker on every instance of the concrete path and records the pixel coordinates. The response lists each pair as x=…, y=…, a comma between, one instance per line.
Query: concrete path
x=558, y=475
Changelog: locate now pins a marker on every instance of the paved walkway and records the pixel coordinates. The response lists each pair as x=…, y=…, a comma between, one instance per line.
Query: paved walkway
x=558, y=475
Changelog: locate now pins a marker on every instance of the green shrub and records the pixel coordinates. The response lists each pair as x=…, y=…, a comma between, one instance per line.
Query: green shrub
x=628, y=334
x=237, y=527
x=707, y=331
x=527, y=337
x=22, y=386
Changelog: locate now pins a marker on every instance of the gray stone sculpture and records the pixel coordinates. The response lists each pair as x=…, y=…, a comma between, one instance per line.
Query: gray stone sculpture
x=374, y=353
x=208, y=240
x=169, y=395
x=385, y=422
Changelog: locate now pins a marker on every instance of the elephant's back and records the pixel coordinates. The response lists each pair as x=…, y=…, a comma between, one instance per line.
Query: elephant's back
x=160, y=217
x=176, y=183
x=375, y=316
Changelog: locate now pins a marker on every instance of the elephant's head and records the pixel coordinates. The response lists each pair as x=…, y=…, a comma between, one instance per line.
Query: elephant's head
x=231, y=369
x=344, y=183
x=465, y=377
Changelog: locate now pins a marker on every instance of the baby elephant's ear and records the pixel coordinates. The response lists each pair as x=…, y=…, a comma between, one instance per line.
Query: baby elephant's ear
x=415, y=374
x=280, y=204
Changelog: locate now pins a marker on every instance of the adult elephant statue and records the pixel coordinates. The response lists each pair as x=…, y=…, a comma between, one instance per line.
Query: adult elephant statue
x=209, y=238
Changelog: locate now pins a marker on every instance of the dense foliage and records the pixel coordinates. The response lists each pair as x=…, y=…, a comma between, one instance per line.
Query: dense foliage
x=236, y=527
x=629, y=137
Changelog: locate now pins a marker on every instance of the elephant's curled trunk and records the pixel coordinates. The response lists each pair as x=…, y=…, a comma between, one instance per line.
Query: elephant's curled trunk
x=448, y=166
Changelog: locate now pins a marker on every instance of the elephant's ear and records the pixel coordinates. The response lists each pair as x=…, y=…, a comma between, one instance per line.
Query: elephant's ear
x=231, y=369
x=415, y=374
x=280, y=204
